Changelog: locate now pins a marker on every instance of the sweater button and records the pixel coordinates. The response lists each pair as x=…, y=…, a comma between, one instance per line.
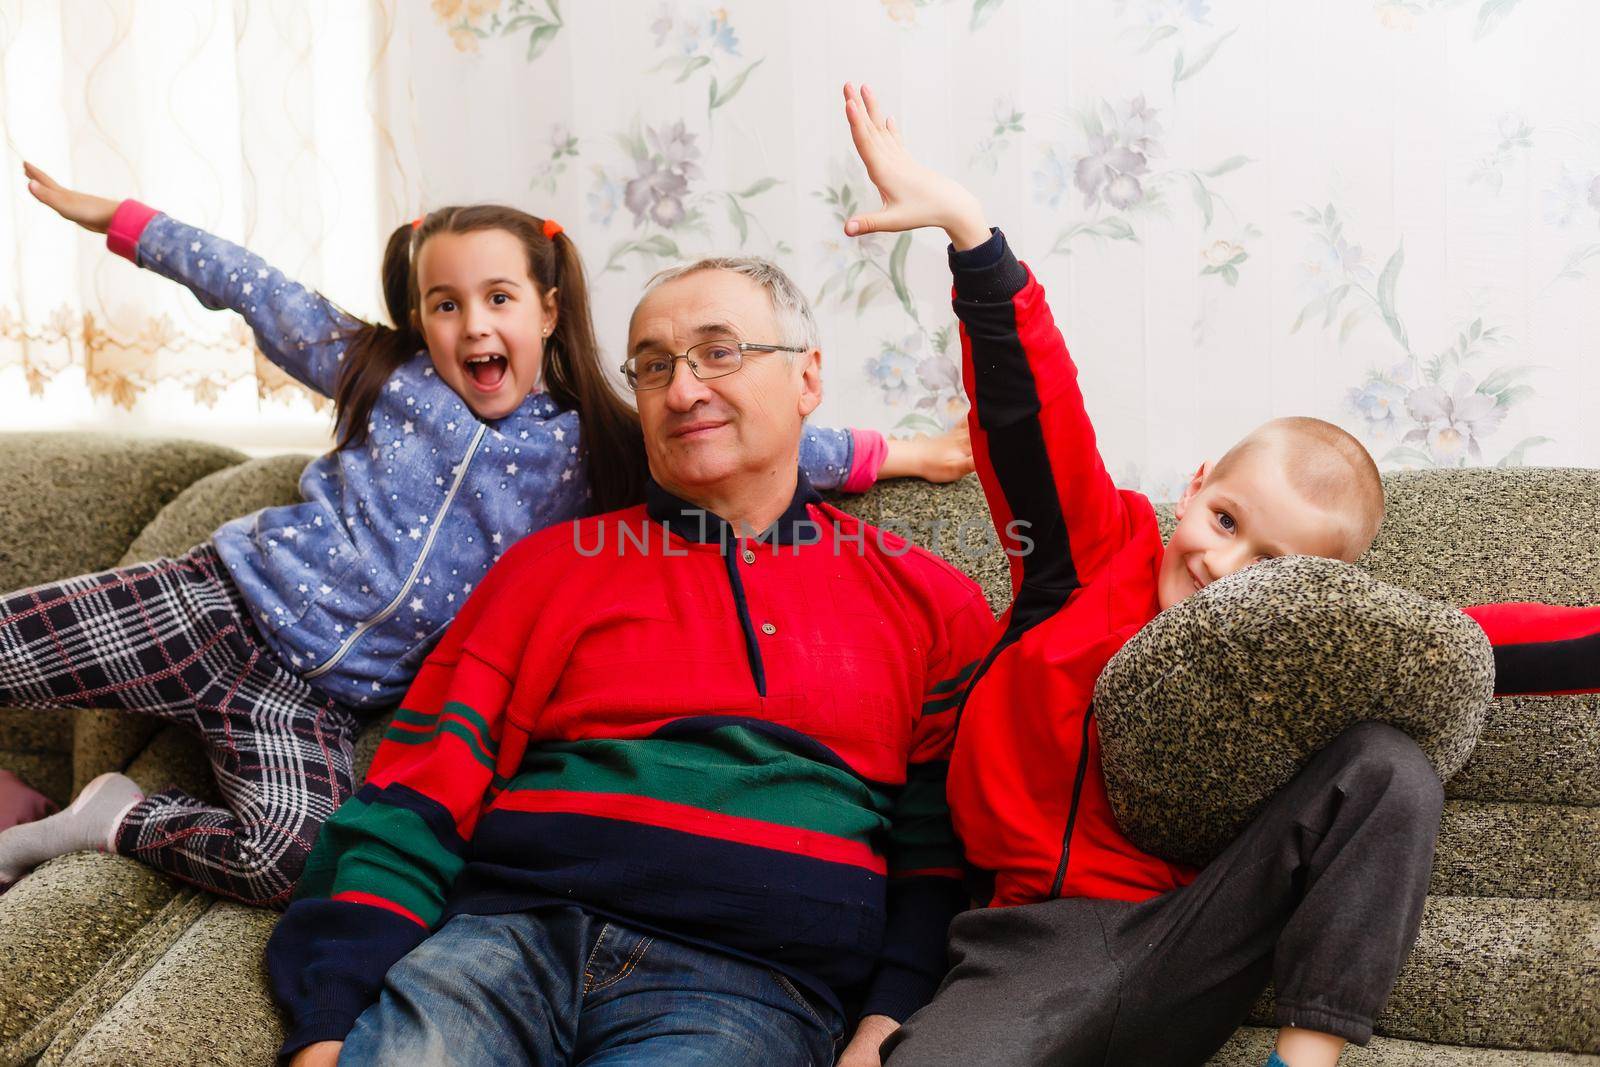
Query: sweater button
x=768, y=629
x=749, y=556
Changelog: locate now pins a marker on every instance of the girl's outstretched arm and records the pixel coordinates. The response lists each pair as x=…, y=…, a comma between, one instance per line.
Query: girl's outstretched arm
x=933, y=459
x=297, y=328
x=856, y=460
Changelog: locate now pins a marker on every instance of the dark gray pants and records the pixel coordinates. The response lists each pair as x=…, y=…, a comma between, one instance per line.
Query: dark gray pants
x=1322, y=893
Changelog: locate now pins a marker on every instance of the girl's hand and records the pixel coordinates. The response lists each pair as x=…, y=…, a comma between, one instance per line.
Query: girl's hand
x=933, y=459
x=913, y=195
x=93, y=213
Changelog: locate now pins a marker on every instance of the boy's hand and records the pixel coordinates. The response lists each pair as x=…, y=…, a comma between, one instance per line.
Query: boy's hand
x=913, y=195
x=93, y=213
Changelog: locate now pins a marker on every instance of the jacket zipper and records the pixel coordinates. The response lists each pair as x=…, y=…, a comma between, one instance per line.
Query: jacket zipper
x=389, y=609
x=1072, y=813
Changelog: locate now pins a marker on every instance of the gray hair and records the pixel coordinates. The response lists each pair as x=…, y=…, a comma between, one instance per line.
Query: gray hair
x=789, y=304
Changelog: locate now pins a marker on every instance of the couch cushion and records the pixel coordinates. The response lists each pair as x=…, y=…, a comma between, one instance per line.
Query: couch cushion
x=37, y=746
x=951, y=521
x=1213, y=706
x=86, y=922
x=1516, y=974
x=71, y=503
x=1488, y=536
x=64, y=928
x=1536, y=750
x=204, y=1001
x=1517, y=850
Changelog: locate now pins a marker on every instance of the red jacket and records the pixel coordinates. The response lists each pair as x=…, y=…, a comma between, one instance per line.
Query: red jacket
x=1025, y=788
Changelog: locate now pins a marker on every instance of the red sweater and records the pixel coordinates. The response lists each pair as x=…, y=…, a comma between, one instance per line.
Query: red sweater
x=743, y=748
x=1026, y=789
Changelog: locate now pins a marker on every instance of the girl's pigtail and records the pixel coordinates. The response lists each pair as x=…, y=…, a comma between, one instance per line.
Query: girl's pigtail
x=377, y=351
x=613, y=443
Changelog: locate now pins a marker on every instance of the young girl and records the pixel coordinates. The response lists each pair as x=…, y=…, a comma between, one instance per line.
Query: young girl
x=458, y=434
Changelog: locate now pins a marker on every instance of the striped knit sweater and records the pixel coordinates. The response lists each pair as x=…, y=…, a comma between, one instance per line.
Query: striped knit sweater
x=739, y=746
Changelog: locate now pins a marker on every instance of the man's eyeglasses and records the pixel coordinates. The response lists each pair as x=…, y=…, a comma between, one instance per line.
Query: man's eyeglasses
x=707, y=360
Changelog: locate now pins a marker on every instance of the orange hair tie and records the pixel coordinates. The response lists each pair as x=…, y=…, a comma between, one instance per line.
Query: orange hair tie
x=416, y=223
x=551, y=228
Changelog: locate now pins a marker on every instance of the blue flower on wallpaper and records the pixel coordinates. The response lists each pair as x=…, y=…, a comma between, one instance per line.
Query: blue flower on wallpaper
x=912, y=367
x=1381, y=399
x=1167, y=12
x=1335, y=265
x=894, y=369
x=605, y=197
x=702, y=34
x=1052, y=179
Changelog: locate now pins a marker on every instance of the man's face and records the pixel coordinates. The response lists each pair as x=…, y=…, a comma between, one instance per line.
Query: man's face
x=1251, y=513
x=701, y=433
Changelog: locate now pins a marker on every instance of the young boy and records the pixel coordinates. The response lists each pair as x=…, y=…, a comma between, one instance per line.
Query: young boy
x=1120, y=956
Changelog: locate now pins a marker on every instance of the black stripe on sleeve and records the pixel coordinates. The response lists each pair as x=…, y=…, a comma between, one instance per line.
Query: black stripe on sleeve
x=1548, y=666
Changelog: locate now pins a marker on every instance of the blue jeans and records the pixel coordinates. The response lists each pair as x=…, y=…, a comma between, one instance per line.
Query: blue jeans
x=559, y=986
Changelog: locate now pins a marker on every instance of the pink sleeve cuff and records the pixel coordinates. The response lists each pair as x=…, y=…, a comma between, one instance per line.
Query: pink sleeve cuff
x=868, y=451
x=122, y=237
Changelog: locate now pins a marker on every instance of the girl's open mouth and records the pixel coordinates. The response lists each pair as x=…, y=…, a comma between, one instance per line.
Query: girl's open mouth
x=487, y=372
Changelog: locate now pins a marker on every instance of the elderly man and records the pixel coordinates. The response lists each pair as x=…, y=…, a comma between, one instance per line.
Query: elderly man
x=671, y=788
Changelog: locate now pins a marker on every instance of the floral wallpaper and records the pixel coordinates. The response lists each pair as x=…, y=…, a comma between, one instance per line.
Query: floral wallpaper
x=1382, y=213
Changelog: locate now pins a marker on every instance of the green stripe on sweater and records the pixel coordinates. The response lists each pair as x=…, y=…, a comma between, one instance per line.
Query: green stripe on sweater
x=732, y=770
x=445, y=723
x=384, y=850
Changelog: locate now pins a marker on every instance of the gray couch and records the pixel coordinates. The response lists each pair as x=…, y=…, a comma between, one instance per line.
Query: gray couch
x=103, y=961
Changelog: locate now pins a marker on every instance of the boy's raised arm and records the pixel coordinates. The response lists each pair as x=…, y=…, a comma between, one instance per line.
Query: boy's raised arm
x=1053, y=503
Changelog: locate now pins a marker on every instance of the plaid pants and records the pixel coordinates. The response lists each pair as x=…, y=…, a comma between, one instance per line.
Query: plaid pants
x=173, y=639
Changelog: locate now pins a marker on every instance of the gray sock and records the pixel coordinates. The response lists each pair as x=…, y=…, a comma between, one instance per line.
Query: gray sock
x=90, y=823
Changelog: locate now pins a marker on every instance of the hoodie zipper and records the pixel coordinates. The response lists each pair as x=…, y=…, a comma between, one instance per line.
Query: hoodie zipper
x=405, y=588
x=1072, y=812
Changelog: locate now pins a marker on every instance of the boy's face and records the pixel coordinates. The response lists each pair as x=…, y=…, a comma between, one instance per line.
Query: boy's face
x=1250, y=513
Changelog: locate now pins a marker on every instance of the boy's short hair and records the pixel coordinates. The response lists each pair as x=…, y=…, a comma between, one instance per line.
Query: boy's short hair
x=1328, y=466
